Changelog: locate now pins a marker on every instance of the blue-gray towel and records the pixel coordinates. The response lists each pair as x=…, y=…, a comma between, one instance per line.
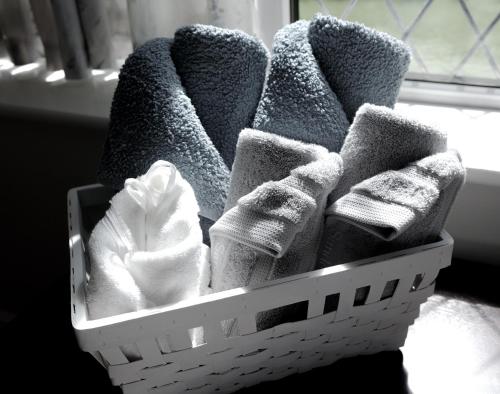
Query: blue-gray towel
x=321, y=72
x=153, y=116
x=223, y=73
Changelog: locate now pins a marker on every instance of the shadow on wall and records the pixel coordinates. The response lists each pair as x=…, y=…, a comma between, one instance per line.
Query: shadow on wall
x=43, y=156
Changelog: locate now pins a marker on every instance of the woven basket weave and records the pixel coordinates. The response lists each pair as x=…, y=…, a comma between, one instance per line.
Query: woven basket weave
x=362, y=307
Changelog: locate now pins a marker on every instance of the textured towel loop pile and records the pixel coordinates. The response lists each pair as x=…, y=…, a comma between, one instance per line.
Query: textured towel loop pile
x=147, y=251
x=172, y=102
x=274, y=214
x=321, y=72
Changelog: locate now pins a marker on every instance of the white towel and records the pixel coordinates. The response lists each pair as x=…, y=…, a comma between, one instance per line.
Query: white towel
x=147, y=251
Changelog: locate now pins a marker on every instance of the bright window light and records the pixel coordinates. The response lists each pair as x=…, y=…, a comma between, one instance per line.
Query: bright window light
x=113, y=75
x=25, y=68
x=55, y=76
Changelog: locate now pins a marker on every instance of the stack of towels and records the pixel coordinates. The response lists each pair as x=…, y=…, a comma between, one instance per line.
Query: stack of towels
x=301, y=169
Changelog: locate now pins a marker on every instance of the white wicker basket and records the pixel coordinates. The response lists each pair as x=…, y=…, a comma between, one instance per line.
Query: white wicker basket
x=336, y=325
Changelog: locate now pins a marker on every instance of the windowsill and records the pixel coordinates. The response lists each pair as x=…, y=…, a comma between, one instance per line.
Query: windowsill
x=474, y=133
x=474, y=219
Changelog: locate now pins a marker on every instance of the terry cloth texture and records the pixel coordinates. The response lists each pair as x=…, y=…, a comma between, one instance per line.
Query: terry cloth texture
x=379, y=140
x=297, y=101
x=391, y=203
x=322, y=72
x=362, y=65
x=147, y=251
x=152, y=118
x=223, y=73
x=272, y=231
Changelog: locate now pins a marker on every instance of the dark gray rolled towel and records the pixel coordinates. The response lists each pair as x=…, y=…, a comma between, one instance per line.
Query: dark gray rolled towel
x=362, y=65
x=297, y=101
x=71, y=40
x=321, y=73
x=97, y=33
x=223, y=73
x=379, y=140
x=152, y=118
x=45, y=24
x=16, y=22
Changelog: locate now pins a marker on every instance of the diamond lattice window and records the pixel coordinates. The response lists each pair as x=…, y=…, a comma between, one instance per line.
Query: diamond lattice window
x=454, y=41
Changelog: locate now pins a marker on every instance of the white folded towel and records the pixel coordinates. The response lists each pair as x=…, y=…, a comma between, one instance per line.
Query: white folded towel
x=147, y=251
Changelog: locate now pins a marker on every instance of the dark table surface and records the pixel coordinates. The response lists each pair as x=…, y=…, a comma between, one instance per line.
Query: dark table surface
x=453, y=347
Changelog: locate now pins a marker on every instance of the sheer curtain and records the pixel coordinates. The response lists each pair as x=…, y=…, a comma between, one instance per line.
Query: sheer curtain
x=79, y=36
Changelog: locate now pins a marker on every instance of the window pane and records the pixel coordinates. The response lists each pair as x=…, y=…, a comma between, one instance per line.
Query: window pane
x=454, y=41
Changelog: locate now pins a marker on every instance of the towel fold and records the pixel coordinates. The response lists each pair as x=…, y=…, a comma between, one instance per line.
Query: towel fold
x=379, y=140
x=392, y=202
x=152, y=118
x=147, y=251
x=361, y=65
x=223, y=72
x=321, y=72
x=297, y=101
x=272, y=231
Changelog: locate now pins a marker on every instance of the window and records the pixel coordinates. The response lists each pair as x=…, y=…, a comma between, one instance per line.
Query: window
x=452, y=41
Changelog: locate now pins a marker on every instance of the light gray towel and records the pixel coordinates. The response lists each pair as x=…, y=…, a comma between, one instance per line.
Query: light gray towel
x=223, y=73
x=379, y=140
x=362, y=65
x=274, y=230
x=321, y=72
x=391, y=203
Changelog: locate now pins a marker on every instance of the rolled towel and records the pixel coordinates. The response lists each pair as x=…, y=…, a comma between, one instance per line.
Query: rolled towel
x=152, y=118
x=262, y=157
x=392, y=203
x=297, y=101
x=362, y=65
x=322, y=72
x=147, y=251
x=274, y=230
x=379, y=140
x=223, y=72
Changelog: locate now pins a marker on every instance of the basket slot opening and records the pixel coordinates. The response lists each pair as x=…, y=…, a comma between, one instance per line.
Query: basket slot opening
x=197, y=336
x=229, y=327
x=162, y=342
x=361, y=295
x=416, y=282
x=331, y=303
x=389, y=289
x=129, y=352
x=281, y=315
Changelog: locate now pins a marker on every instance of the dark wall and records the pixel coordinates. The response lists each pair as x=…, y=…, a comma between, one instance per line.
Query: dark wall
x=42, y=156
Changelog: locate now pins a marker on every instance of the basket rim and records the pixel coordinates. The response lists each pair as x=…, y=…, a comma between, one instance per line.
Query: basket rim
x=84, y=324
